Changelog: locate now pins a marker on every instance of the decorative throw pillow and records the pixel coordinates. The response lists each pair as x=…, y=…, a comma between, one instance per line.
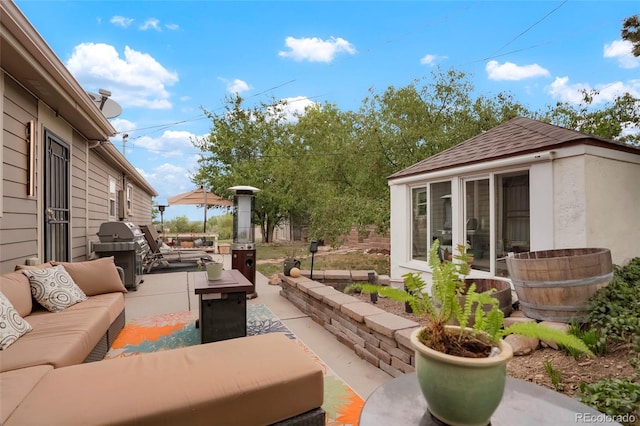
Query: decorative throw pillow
x=12, y=325
x=54, y=288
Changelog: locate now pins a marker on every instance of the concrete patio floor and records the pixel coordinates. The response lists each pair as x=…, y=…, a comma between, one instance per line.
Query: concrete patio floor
x=173, y=292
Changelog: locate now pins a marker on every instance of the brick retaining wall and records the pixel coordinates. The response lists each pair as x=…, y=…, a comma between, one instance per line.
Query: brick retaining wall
x=379, y=337
x=372, y=240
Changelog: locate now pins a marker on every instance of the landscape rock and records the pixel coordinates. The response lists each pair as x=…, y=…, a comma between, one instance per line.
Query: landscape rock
x=522, y=345
x=275, y=280
x=558, y=325
x=516, y=317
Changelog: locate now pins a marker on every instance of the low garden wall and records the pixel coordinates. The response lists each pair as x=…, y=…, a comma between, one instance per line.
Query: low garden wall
x=379, y=337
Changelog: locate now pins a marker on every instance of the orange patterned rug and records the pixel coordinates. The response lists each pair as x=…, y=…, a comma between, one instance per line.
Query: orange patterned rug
x=169, y=331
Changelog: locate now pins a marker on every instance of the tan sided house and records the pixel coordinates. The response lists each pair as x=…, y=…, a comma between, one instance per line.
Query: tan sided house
x=61, y=177
x=522, y=186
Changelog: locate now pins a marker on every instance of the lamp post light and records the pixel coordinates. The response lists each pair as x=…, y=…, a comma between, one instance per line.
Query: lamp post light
x=243, y=247
x=313, y=248
x=161, y=209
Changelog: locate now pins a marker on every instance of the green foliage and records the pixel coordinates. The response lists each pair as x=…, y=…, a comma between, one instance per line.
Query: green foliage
x=614, y=311
x=182, y=224
x=608, y=122
x=631, y=32
x=542, y=332
x=554, y=375
x=591, y=337
x=612, y=396
x=448, y=283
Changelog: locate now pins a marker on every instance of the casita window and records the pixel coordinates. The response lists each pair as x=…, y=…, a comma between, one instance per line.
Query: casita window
x=491, y=214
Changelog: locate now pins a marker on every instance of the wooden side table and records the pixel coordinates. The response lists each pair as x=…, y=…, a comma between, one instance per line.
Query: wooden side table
x=223, y=305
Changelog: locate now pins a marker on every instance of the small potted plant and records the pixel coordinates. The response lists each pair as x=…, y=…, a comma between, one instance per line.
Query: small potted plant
x=290, y=261
x=461, y=369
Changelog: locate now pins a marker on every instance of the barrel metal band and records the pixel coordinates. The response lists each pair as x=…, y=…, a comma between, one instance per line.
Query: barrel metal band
x=563, y=283
x=552, y=307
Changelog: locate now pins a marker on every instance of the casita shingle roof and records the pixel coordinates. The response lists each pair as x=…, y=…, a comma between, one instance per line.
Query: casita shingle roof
x=517, y=136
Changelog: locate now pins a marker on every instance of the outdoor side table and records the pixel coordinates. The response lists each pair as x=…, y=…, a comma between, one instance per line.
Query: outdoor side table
x=400, y=402
x=223, y=305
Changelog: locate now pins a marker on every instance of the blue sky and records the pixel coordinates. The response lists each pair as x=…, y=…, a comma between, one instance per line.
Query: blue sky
x=164, y=60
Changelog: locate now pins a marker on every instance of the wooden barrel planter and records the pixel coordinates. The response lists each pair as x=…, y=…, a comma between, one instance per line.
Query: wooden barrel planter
x=502, y=293
x=555, y=285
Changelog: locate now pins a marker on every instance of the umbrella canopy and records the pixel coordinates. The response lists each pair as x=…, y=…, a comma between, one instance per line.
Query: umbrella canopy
x=197, y=197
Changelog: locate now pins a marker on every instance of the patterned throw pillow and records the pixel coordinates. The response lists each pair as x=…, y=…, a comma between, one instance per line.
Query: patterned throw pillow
x=54, y=288
x=12, y=325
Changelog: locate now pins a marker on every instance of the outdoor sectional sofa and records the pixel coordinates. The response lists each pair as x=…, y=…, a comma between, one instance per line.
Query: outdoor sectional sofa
x=48, y=375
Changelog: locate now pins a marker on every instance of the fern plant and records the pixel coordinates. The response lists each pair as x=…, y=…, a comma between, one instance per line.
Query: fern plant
x=443, y=305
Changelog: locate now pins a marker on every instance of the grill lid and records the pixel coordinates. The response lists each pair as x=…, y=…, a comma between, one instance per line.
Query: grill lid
x=119, y=232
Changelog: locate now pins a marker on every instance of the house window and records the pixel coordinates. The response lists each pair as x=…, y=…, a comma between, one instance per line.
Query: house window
x=512, y=214
x=431, y=218
x=419, y=222
x=440, y=216
x=112, y=198
x=476, y=219
x=129, y=200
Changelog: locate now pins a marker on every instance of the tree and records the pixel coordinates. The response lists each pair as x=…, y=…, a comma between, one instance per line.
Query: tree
x=615, y=120
x=631, y=32
x=248, y=146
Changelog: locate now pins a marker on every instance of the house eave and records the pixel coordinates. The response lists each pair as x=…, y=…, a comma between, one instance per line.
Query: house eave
x=29, y=61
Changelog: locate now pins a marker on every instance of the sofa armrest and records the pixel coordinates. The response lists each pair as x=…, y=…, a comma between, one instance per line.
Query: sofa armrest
x=121, y=273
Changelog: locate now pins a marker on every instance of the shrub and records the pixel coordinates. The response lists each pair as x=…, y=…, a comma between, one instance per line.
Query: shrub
x=615, y=309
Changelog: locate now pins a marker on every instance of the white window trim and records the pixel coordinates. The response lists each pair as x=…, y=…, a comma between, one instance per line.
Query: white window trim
x=112, y=196
x=129, y=199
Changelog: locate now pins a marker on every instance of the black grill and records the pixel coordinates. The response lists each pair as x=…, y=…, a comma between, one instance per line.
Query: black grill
x=126, y=243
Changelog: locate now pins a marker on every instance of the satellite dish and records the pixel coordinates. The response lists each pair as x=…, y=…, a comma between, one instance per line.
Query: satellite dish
x=109, y=107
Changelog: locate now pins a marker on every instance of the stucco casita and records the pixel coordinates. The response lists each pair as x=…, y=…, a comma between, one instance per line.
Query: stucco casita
x=578, y=191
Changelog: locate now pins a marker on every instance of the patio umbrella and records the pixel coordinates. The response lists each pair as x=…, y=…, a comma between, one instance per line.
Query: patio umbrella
x=200, y=196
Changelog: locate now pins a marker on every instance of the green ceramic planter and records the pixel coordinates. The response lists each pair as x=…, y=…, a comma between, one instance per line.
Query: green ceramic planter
x=461, y=391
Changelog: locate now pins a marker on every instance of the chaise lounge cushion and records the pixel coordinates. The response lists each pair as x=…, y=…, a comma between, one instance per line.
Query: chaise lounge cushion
x=254, y=380
x=16, y=385
x=60, y=339
x=95, y=276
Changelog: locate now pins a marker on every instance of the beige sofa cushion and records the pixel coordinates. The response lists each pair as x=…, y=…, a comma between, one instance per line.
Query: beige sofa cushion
x=39, y=266
x=58, y=339
x=95, y=276
x=246, y=381
x=15, y=286
x=113, y=303
x=16, y=385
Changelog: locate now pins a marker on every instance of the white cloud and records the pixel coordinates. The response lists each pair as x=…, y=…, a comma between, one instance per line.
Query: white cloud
x=513, y=72
x=296, y=106
x=168, y=179
x=235, y=86
x=121, y=21
x=137, y=79
x=562, y=91
x=171, y=144
x=172, y=27
x=151, y=24
x=315, y=49
x=430, y=59
x=621, y=51
x=122, y=125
